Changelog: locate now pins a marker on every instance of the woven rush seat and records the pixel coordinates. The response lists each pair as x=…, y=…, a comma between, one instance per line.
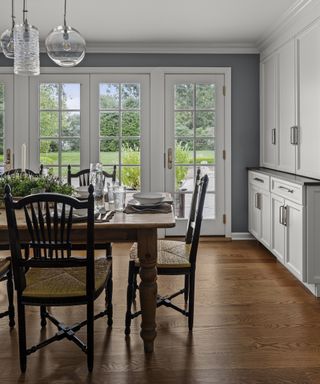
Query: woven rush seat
x=170, y=254
x=64, y=282
x=4, y=266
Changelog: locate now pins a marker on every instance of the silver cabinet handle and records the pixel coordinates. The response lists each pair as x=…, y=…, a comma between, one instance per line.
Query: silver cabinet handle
x=256, y=200
x=286, y=189
x=285, y=215
x=294, y=135
x=273, y=136
x=258, y=179
x=281, y=214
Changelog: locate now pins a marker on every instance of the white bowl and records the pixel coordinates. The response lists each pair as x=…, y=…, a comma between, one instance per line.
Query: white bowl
x=82, y=191
x=149, y=197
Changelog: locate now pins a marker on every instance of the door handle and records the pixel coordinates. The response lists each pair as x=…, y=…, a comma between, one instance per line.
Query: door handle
x=281, y=218
x=273, y=136
x=256, y=197
x=170, y=158
x=285, y=216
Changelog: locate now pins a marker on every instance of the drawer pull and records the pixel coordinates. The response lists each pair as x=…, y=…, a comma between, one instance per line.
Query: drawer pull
x=286, y=189
x=258, y=179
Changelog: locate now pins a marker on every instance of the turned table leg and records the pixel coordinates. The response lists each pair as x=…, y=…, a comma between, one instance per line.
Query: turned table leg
x=147, y=252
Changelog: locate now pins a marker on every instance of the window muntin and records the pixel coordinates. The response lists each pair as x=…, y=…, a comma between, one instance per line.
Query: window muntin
x=194, y=133
x=59, y=126
x=120, y=130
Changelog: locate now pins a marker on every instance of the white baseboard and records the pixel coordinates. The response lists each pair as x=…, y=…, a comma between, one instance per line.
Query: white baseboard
x=242, y=236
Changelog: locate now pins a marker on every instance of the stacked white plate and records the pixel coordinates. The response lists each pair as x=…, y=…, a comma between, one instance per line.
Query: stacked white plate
x=147, y=199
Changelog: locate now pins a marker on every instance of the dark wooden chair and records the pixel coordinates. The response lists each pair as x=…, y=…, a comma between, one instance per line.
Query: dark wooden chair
x=174, y=258
x=52, y=275
x=83, y=177
x=6, y=275
x=28, y=172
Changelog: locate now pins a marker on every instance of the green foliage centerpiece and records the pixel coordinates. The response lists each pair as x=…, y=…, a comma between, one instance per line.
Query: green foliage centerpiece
x=22, y=185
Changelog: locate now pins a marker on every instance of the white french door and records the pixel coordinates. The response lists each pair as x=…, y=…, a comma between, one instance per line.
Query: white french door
x=195, y=138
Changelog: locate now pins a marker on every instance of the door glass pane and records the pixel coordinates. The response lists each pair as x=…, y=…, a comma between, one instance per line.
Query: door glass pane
x=194, y=119
x=120, y=130
x=60, y=126
x=184, y=96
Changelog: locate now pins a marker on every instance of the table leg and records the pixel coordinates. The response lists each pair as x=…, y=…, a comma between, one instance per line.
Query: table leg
x=147, y=252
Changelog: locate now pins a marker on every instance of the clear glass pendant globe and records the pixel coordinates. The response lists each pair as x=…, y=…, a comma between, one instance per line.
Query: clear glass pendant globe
x=7, y=43
x=26, y=50
x=65, y=46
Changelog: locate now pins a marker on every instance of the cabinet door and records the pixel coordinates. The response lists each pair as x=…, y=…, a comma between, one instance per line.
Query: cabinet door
x=294, y=239
x=268, y=120
x=265, y=218
x=277, y=229
x=308, y=161
x=254, y=212
x=287, y=113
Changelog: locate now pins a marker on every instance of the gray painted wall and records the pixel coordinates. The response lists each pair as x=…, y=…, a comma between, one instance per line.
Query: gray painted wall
x=245, y=108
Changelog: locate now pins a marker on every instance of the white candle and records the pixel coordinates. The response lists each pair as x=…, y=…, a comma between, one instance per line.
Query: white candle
x=23, y=157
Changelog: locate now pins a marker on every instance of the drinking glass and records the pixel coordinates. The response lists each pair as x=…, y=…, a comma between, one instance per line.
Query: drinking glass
x=119, y=194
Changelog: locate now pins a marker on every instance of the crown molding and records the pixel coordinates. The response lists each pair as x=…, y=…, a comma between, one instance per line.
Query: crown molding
x=284, y=23
x=169, y=48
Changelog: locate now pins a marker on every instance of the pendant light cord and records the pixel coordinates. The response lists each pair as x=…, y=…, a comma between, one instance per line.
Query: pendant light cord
x=65, y=14
x=12, y=13
x=25, y=21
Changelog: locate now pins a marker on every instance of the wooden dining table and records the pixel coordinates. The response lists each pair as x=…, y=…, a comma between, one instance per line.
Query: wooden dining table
x=136, y=227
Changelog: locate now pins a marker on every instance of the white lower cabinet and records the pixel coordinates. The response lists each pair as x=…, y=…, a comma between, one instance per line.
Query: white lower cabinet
x=287, y=230
x=259, y=209
x=285, y=217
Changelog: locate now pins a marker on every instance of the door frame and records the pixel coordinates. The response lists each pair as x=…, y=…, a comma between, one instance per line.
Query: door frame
x=158, y=128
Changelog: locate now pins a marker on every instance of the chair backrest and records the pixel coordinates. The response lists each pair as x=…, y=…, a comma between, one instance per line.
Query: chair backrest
x=84, y=176
x=203, y=185
x=18, y=171
x=192, y=214
x=49, y=221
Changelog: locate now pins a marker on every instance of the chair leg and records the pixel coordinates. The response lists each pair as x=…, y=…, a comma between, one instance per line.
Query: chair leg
x=130, y=293
x=43, y=310
x=186, y=288
x=10, y=299
x=135, y=287
x=22, y=336
x=90, y=335
x=191, y=301
x=109, y=305
x=108, y=250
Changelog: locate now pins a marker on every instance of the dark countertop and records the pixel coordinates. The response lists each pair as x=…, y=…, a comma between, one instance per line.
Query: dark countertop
x=286, y=176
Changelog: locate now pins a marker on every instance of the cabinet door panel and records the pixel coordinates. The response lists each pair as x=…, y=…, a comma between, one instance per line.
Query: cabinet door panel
x=287, y=114
x=308, y=163
x=268, y=111
x=265, y=218
x=294, y=239
x=254, y=212
x=277, y=229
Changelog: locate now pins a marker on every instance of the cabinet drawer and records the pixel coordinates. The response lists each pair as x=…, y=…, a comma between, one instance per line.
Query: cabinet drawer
x=287, y=190
x=260, y=180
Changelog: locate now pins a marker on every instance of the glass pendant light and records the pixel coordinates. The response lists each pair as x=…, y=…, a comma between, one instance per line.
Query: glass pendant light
x=26, y=47
x=6, y=39
x=65, y=46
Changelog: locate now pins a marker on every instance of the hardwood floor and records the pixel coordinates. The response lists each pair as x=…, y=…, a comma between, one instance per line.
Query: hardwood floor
x=254, y=323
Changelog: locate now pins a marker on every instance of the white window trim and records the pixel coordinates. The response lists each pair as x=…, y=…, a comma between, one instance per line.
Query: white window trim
x=7, y=80
x=34, y=117
x=144, y=81
x=156, y=114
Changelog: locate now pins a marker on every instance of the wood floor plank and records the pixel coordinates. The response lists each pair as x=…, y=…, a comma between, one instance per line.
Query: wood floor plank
x=254, y=323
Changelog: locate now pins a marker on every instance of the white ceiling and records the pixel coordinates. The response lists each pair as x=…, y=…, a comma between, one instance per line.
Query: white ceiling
x=150, y=21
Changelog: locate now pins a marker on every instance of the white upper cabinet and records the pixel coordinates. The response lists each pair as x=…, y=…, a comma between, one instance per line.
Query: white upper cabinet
x=279, y=131
x=287, y=129
x=308, y=161
x=268, y=116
